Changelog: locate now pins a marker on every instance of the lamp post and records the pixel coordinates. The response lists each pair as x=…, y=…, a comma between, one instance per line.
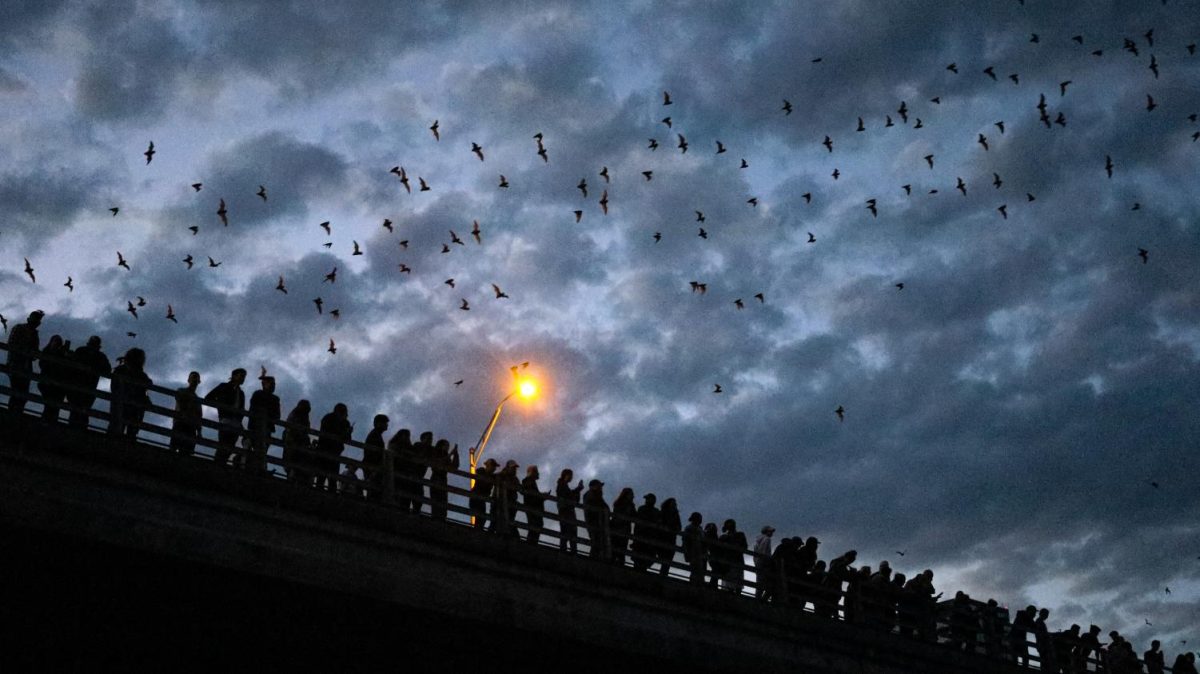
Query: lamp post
x=524, y=388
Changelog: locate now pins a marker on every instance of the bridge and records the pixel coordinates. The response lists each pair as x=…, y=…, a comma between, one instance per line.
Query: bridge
x=123, y=554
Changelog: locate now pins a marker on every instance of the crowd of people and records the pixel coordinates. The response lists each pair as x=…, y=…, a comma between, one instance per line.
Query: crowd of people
x=649, y=537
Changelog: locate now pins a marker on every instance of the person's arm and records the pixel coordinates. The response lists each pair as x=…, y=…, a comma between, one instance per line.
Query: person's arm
x=454, y=460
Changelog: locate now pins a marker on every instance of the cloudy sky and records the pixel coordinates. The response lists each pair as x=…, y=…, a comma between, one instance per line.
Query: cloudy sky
x=1005, y=411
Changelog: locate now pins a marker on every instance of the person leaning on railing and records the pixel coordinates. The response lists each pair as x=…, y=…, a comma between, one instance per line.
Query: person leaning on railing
x=297, y=444
x=595, y=518
x=55, y=369
x=568, y=500
x=443, y=460
x=264, y=413
x=534, y=500
x=335, y=432
x=23, y=345
x=481, y=492
x=90, y=365
x=694, y=550
x=671, y=526
x=129, y=398
x=185, y=427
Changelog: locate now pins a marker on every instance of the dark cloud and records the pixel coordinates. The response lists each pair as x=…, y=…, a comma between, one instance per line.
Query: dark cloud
x=1005, y=411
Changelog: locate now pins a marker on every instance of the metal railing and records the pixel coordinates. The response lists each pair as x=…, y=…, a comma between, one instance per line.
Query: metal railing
x=408, y=482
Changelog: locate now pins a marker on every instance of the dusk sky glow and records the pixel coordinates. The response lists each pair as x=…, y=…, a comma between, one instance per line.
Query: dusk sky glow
x=1006, y=409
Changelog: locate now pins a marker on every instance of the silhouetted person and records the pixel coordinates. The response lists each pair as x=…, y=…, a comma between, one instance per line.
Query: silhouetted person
x=1018, y=635
x=444, y=460
x=535, y=505
x=335, y=432
x=1154, y=658
x=23, y=345
x=412, y=465
x=990, y=623
x=1089, y=646
x=779, y=567
x=717, y=566
x=962, y=622
x=1043, y=641
x=1066, y=649
x=481, y=491
x=671, y=526
x=56, y=372
x=230, y=401
x=896, y=594
x=90, y=365
x=504, y=499
x=595, y=516
x=401, y=447
x=876, y=598
x=297, y=445
x=763, y=578
x=373, y=455
x=129, y=399
x=647, y=519
x=620, y=525
x=839, y=573
x=1185, y=663
x=694, y=549
x=568, y=499
x=185, y=427
x=264, y=413
x=735, y=575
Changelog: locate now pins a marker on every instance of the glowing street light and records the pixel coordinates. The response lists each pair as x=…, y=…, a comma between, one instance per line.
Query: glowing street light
x=523, y=387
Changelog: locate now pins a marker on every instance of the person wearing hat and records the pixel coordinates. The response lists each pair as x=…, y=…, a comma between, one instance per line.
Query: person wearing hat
x=264, y=413
x=763, y=577
x=481, y=489
x=694, y=548
x=647, y=531
x=595, y=518
x=23, y=345
x=504, y=497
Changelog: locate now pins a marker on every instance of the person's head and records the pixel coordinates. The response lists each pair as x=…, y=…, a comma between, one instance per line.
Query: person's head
x=650, y=499
x=695, y=518
x=820, y=565
x=193, y=379
x=238, y=376
x=566, y=475
x=1154, y=645
x=532, y=471
x=427, y=437
x=670, y=505
x=595, y=485
x=403, y=435
x=1044, y=613
x=135, y=358
x=626, y=494
x=93, y=342
x=899, y=579
x=55, y=342
x=710, y=529
x=511, y=466
x=442, y=446
x=304, y=405
x=851, y=555
x=1074, y=629
x=380, y=422
x=729, y=526
x=1094, y=630
x=35, y=317
x=267, y=383
x=812, y=542
x=340, y=410
x=490, y=465
x=768, y=530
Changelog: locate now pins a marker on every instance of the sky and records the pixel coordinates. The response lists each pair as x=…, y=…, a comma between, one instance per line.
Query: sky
x=1006, y=410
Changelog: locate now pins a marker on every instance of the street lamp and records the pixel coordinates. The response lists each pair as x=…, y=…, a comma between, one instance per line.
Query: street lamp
x=524, y=388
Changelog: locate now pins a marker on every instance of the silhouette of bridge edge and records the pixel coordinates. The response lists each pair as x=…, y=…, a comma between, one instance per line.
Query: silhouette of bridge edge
x=448, y=574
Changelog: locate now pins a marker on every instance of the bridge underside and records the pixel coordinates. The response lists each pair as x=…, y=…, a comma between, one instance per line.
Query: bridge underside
x=126, y=557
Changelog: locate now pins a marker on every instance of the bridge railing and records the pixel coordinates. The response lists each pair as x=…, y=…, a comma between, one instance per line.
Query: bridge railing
x=401, y=480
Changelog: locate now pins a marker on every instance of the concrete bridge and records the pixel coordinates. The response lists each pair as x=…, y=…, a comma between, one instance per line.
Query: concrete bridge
x=125, y=556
